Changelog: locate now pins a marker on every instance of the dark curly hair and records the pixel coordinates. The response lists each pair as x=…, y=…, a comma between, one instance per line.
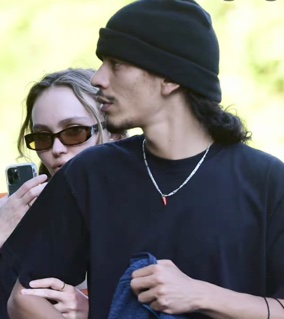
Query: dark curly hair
x=223, y=126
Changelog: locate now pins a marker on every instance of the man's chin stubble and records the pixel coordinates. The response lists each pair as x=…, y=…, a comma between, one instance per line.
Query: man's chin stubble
x=117, y=128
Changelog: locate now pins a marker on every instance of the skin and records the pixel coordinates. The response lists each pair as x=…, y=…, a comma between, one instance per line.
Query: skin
x=57, y=108
x=52, y=113
x=68, y=303
x=132, y=97
x=13, y=208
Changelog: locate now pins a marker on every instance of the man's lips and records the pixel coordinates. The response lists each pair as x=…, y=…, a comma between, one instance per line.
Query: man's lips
x=102, y=100
x=104, y=104
x=104, y=107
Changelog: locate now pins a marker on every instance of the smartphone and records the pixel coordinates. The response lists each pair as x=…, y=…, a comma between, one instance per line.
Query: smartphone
x=18, y=174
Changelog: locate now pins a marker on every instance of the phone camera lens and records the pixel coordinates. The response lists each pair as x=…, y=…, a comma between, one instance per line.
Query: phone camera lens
x=13, y=175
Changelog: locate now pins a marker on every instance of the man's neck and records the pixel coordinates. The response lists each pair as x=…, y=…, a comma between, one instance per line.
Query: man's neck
x=178, y=142
x=174, y=132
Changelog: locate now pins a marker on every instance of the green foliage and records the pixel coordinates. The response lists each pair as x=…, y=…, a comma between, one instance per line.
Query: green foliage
x=40, y=36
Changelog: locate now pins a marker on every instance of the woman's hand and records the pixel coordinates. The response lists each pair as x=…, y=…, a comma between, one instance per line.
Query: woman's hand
x=70, y=301
x=14, y=207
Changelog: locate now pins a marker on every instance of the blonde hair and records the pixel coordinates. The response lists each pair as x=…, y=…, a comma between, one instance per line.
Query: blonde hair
x=79, y=81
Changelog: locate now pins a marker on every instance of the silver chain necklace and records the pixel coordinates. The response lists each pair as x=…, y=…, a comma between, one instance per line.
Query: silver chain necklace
x=164, y=196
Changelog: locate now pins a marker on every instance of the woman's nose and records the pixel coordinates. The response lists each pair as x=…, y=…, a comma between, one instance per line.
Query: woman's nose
x=58, y=147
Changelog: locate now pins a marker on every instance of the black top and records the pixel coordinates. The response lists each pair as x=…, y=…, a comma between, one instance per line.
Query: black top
x=225, y=226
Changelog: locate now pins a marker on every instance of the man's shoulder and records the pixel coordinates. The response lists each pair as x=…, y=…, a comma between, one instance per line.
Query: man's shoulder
x=103, y=163
x=255, y=162
x=255, y=155
x=109, y=152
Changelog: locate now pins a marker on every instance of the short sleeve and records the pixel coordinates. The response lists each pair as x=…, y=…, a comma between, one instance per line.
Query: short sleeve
x=51, y=240
x=275, y=232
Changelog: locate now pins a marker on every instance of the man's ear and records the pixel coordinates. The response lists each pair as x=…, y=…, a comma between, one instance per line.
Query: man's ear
x=169, y=87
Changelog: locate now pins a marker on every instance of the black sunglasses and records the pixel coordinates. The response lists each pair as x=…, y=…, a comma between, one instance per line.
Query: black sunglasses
x=40, y=141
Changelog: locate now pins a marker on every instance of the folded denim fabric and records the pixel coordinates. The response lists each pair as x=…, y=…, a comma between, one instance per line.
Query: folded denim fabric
x=125, y=304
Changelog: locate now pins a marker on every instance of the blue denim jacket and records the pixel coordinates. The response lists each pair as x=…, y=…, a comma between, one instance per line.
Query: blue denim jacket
x=125, y=304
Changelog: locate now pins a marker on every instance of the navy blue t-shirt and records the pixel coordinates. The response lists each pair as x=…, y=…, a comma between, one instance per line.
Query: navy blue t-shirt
x=225, y=226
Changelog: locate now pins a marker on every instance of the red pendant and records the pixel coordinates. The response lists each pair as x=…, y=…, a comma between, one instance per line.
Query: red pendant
x=164, y=200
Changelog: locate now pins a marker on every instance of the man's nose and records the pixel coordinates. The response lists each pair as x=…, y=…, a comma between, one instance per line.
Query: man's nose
x=101, y=77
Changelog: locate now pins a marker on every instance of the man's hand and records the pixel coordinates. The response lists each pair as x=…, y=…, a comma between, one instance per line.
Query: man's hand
x=165, y=288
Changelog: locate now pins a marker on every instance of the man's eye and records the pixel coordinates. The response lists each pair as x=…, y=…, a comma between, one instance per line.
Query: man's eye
x=115, y=63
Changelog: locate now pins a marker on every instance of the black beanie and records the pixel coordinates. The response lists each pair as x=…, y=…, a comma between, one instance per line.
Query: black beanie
x=171, y=38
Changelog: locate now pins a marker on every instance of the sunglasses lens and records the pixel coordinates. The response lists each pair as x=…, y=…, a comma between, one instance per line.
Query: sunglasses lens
x=70, y=136
x=75, y=135
x=39, y=141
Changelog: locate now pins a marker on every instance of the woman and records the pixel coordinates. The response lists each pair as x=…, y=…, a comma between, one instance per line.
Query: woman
x=62, y=119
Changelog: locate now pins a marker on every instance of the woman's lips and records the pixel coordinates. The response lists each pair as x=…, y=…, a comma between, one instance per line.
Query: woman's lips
x=57, y=166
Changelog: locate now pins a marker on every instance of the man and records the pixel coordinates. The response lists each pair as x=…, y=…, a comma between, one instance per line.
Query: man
x=189, y=190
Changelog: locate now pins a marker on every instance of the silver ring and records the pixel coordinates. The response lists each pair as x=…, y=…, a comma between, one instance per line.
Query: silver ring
x=63, y=286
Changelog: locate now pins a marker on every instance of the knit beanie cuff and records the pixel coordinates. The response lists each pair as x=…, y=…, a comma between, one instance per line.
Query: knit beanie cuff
x=175, y=68
x=173, y=39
